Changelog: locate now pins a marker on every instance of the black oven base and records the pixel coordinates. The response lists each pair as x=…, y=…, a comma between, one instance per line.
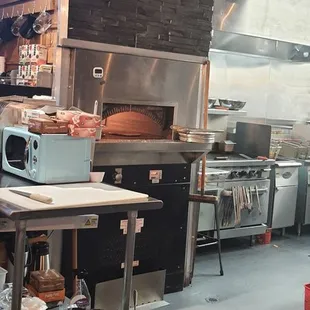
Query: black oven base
x=159, y=246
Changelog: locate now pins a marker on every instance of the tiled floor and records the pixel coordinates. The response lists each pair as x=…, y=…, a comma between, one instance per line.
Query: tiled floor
x=270, y=277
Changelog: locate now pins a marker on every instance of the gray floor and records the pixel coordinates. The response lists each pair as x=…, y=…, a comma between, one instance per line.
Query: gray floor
x=259, y=277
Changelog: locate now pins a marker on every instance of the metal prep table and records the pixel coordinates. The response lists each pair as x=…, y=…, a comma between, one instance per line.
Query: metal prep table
x=21, y=215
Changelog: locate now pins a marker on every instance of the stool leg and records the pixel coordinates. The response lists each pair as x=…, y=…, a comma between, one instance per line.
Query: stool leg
x=217, y=223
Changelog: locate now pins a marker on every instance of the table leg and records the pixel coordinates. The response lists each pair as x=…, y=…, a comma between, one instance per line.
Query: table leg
x=19, y=264
x=129, y=258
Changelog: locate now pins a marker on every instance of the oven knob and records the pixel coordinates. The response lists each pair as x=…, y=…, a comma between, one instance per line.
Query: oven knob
x=118, y=176
x=242, y=174
x=35, y=144
x=252, y=173
x=34, y=159
x=234, y=174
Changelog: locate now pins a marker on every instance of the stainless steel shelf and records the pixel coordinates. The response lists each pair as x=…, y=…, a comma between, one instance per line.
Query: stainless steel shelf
x=226, y=112
x=59, y=223
x=147, y=152
x=110, y=48
x=170, y=146
x=242, y=231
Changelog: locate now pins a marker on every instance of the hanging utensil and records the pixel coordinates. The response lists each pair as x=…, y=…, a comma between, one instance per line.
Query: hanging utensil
x=26, y=29
x=5, y=27
x=43, y=22
x=135, y=299
x=18, y=23
x=258, y=200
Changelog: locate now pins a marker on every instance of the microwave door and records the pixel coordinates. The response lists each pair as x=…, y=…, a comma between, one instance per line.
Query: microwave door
x=15, y=152
x=28, y=157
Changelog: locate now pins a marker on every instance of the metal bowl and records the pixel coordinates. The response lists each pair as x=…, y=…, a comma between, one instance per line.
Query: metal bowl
x=232, y=104
x=211, y=102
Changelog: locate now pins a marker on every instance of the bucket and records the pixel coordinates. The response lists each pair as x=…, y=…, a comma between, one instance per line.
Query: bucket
x=307, y=296
x=3, y=273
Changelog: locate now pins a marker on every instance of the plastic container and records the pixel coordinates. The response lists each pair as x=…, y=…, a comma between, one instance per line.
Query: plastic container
x=307, y=296
x=264, y=238
x=3, y=273
x=81, y=299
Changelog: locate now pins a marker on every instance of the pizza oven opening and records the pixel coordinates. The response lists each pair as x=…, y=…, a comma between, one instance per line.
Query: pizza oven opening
x=137, y=121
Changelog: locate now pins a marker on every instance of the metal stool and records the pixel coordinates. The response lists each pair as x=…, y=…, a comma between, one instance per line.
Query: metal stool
x=212, y=200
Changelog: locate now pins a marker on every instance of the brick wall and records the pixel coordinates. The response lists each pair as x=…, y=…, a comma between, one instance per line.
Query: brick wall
x=179, y=26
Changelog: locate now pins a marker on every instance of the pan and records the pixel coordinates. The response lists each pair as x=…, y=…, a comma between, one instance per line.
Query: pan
x=5, y=30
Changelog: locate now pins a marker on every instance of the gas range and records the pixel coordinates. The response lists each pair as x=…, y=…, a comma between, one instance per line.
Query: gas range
x=236, y=167
x=237, y=172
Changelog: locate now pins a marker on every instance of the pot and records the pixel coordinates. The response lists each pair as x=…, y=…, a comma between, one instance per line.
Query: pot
x=5, y=30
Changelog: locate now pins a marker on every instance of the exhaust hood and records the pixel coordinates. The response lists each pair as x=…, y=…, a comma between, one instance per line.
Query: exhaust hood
x=270, y=28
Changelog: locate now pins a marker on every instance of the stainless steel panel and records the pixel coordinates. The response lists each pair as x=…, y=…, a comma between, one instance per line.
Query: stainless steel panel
x=138, y=79
x=286, y=176
x=285, y=20
x=242, y=231
x=307, y=211
x=273, y=89
x=253, y=139
x=206, y=216
x=302, y=196
x=125, y=50
x=284, y=207
x=240, y=77
x=150, y=287
x=148, y=152
x=268, y=48
x=241, y=163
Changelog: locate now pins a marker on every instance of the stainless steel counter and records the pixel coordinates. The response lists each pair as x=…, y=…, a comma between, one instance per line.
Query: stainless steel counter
x=124, y=152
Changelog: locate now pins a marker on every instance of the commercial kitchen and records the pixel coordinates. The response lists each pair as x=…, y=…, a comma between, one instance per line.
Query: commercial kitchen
x=154, y=154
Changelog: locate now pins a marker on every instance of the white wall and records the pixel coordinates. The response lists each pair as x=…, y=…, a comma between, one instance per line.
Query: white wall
x=273, y=89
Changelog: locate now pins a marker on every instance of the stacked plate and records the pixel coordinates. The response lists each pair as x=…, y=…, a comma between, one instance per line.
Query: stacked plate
x=195, y=135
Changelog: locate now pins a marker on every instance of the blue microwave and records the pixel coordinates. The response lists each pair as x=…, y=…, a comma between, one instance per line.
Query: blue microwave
x=46, y=158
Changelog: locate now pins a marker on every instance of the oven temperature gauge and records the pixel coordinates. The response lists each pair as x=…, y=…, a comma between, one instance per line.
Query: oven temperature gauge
x=98, y=72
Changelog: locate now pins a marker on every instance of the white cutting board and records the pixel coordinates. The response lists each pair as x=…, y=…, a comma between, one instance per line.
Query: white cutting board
x=75, y=195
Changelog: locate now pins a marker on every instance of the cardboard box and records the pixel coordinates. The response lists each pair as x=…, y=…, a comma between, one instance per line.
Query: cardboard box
x=47, y=296
x=38, y=54
x=24, y=56
x=46, y=68
x=32, y=113
x=32, y=54
x=80, y=119
x=46, y=126
x=46, y=280
x=82, y=132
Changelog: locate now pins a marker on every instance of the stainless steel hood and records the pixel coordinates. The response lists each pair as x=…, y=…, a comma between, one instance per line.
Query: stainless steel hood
x=272, y=28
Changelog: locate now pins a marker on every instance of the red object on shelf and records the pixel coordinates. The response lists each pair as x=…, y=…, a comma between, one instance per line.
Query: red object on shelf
x=307, y=296
x=264, y=238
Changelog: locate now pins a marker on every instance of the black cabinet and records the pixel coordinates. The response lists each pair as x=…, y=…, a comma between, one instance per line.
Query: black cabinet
x=161, y=243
